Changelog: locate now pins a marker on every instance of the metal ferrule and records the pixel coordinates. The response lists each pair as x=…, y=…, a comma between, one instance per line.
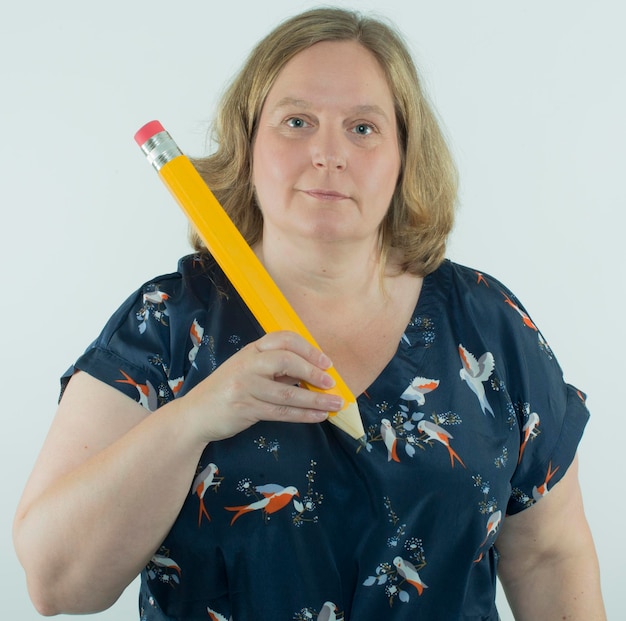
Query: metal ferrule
x=160, y=149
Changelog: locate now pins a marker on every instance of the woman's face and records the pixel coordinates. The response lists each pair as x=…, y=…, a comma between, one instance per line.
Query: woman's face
x=326, y=157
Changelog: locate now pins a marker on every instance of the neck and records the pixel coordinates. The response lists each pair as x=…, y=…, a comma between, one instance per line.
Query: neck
x=330, y=271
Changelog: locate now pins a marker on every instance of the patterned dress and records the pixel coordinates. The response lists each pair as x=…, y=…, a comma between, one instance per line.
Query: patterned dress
x=470, y=422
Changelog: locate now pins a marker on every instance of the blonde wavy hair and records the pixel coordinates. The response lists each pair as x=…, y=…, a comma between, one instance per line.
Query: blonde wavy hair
x=421, y=213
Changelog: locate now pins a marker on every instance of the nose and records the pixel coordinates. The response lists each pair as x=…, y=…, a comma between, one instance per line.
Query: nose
x=327, y=151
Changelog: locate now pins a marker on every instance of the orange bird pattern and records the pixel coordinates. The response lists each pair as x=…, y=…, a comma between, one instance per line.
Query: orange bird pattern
x=541, y=490
x=439, y=434
x=147, y=393
x=526, y=320
x=204, y=481
x=275, y=497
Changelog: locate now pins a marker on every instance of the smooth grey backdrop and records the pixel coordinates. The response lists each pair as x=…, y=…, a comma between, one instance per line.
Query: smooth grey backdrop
x=531, y=94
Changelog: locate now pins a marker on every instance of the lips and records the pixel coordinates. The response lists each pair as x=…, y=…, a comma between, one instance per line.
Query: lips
x=326, y=195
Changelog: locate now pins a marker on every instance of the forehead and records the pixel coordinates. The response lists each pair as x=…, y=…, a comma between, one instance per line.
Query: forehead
x=333, y=70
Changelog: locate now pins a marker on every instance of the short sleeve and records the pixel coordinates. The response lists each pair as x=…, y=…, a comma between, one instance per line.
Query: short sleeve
x=132, y=353
x=551, y=414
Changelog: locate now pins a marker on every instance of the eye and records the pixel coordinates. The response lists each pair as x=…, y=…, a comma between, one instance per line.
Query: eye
x=363, y=129
x=296, y=122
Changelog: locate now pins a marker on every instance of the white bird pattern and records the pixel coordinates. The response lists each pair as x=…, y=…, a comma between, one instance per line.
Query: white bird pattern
x=530, y=431
x=165, y=561
x=493, y=524
x=475, y=372
x=176, y=384
x=418, y=387
x=435, y=432
x=196, y=332
x=201, y=485
x=407, y=571
x=328, y=612
x=155, y=297
x=389, y=437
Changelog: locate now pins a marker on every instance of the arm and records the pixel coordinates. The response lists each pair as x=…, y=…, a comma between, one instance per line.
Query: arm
x=548, y=565
x=90, y=517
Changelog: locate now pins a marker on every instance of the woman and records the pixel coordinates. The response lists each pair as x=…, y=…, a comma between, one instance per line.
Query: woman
x=217, y=481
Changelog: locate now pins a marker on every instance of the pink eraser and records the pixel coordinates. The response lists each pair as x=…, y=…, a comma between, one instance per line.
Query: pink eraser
x=147, y=131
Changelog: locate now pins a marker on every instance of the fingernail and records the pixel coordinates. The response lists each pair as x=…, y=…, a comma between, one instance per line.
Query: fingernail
x=328, y=381
x=325, y=361
x=335, y=404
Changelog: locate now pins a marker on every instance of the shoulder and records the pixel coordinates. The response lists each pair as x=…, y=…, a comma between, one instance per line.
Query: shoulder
x=156, y=334
x=482, y=295
x=485, y=313
x=164, y=313
x=196, y=284
x=197, y=278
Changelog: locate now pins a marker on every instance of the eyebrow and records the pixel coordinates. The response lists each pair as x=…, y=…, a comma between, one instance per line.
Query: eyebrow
x=303, y=103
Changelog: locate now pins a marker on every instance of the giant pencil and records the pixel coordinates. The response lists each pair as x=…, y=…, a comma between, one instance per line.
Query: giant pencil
x=234, y=255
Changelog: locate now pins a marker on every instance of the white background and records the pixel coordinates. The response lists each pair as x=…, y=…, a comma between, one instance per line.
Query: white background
x=531, y=94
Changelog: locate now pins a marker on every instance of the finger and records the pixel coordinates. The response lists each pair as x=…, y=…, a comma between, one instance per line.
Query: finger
x=291, y=341
x=279, y=364
x=287, y=402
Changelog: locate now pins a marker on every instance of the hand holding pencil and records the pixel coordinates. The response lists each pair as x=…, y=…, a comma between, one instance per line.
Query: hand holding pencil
x=236, y=258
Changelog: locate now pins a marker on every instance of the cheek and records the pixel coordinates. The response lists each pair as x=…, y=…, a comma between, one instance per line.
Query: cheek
x=271, y=164
x=271, y=176
x=381, y=177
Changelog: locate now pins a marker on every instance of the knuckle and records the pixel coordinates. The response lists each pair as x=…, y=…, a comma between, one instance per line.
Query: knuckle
x=286, y=394
x=315, y=375
x=282, y=412
x=284, y=363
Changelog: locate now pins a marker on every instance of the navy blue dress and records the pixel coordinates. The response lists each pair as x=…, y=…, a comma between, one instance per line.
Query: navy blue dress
x=470, y=422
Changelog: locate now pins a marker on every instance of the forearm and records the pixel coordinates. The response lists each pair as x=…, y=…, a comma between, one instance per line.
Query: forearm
x=89, y=534
x=557, y=589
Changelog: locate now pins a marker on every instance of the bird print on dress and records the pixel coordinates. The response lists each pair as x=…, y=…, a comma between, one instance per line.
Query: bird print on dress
x=525, y=318
x=306, y=509
x=147, y=394
x=216, y=616
x=163, y=568
x=418, y=387
x=273, y=498
x=401, y=431
x=541, y=490
x=155, y=297
x=204, y=481
x=196, y=332
x=480, y=279
x=176, y=384
x=398, y=431
x=407, y=570
x=439, y=434
x=493, y=523
x=390, y=439
x=328, y=612
x=403, y=571
x=530, y=431
x=153, y=306
x=475, y=372
x=487, y=506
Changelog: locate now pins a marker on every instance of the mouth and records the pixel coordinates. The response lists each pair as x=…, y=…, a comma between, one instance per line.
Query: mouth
x=326, y=195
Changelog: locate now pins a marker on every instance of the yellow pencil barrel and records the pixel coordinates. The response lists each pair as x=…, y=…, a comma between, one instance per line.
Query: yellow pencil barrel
x=234, y=255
